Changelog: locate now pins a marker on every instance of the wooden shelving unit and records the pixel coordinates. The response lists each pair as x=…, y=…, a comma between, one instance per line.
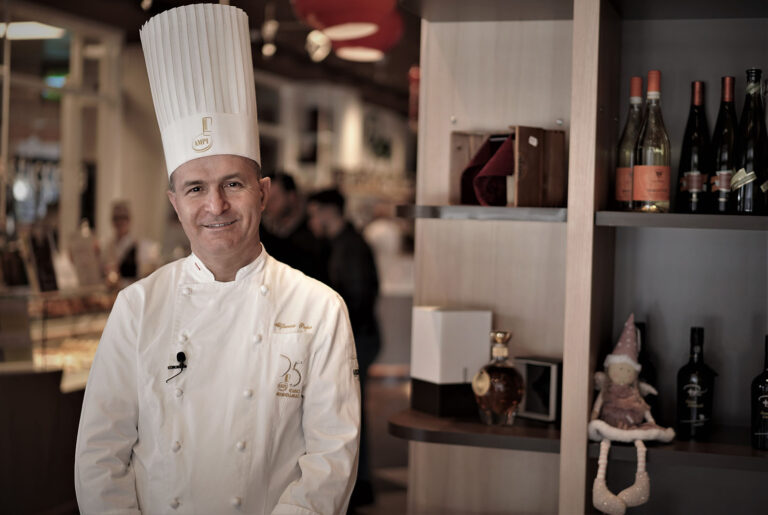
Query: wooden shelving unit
x=524, y=435
x=564, y=289
x=727, y=448
x=518, y=214
x=681, y=221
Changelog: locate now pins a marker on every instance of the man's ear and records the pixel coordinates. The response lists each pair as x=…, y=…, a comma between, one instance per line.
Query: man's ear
x=172, y=198
x=265, y=185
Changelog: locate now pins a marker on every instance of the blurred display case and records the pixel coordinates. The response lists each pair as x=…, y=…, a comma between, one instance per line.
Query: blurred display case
x=57, y=330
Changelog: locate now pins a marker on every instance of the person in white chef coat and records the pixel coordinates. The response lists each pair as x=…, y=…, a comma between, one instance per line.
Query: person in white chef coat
x=225, y=382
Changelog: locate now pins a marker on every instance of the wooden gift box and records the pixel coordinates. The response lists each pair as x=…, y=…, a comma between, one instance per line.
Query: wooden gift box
x=540, y=174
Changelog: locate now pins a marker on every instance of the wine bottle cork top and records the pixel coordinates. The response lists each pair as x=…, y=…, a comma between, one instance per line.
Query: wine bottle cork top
x=697, y=92
x=636, y=87
x=654, y=81
x=728, y=83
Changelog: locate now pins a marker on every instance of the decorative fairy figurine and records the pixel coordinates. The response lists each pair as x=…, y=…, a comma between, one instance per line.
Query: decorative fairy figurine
x=621, y=414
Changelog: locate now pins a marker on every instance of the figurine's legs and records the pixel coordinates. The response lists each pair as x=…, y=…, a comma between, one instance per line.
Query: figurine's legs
x=602, y=498
x=638, y=493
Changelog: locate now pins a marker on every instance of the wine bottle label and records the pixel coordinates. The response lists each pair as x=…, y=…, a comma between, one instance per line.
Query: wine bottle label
x=624, y=184
x=742, y=178
x=650, y=182
x=764, y=187
x=692, y=182
x=753, y=87
x=721, y=181
x=481, y=383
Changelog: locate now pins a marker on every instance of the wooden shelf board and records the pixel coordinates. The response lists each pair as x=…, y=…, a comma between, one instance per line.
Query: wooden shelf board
x=681, y=221
x=525, y=435
x=521, y=214
x=690, y=9
x=489, y=10
x=507, y=10
x=727, y=448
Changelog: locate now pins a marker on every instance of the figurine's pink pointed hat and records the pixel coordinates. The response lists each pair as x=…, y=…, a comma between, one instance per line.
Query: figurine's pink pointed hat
x=626, y=348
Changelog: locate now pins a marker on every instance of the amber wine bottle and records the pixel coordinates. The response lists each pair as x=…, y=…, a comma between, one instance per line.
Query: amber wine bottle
x=498, y=387
x=651, y=178
x=626, y=151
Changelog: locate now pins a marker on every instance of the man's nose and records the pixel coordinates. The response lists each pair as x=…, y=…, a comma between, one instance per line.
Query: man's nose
x=217, y=202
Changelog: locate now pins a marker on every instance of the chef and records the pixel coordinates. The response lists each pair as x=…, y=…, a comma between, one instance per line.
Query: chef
x=225, y=382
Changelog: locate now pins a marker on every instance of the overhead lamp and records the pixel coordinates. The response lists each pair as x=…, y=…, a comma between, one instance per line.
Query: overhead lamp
x=343, y=20
x=24, y=30
x=268, y=50
x=269, y=31
x=318, y=46
x=372, y=48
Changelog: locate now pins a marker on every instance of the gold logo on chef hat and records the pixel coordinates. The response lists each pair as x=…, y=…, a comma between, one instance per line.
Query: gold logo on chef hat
x=204, y=140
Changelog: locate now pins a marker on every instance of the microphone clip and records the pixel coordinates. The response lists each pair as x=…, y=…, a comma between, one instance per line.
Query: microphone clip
x=181, y=358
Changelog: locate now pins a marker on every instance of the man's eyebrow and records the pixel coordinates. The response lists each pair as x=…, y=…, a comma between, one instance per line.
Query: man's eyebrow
x=195, y=182
x=234, y=175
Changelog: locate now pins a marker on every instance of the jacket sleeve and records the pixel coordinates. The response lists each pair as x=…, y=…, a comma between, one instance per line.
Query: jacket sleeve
x=104, y=476
x=331, y=424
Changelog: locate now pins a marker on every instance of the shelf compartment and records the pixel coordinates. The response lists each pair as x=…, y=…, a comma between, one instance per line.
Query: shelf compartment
x=520, y=214
x=727, y=448
x=489, y=10
x=525, y=435
x=496, y=10
x=681, y=221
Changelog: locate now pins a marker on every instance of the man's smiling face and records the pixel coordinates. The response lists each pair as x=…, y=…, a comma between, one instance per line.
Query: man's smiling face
x=219, y=201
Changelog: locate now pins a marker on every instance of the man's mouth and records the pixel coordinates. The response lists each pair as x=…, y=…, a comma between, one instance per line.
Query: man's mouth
x=218, y=225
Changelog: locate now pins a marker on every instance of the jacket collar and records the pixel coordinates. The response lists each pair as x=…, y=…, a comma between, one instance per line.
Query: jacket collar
x=200, y=273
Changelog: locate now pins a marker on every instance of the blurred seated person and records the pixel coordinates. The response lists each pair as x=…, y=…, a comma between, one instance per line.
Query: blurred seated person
x=285, y=233
x=124, y=256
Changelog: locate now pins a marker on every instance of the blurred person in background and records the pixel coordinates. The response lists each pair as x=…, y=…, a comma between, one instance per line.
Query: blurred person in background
x=285, y=233
x=352, y=273
x=124, y=256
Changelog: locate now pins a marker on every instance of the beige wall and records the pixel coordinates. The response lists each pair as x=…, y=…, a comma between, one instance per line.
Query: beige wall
x=140, y=176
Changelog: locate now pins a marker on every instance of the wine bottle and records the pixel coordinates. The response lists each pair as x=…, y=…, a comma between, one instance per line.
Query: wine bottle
x=650, y=175
x=695, y=157
x=723, y=143
x=760, y=406
x=626, y=151
x=695, y=389
x=748, y=183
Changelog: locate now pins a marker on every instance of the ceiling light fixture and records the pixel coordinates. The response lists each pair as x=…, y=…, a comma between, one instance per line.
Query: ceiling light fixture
x=269, y=31
x=268, y=50
x=318, y=46
x=372, y=48
x=24, y=30
x=343, y=20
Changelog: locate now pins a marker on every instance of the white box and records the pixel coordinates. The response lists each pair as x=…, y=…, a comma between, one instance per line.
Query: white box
x=449, y=346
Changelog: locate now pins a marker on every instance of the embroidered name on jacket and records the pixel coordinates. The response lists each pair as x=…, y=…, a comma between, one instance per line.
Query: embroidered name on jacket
x=290, y=379
x=301, y=327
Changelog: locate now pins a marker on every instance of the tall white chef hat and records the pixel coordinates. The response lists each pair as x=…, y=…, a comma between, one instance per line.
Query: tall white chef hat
x=201, y=75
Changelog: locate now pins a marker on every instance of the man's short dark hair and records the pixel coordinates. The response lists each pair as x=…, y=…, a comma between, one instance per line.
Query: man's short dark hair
x=330, y=197
x=285, y=181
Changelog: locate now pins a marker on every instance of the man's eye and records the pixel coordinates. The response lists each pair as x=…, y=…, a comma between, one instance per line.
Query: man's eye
x=234, y=184
x=194, y=189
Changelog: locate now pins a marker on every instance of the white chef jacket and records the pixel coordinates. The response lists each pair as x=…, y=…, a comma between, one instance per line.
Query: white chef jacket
x=264, y=419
